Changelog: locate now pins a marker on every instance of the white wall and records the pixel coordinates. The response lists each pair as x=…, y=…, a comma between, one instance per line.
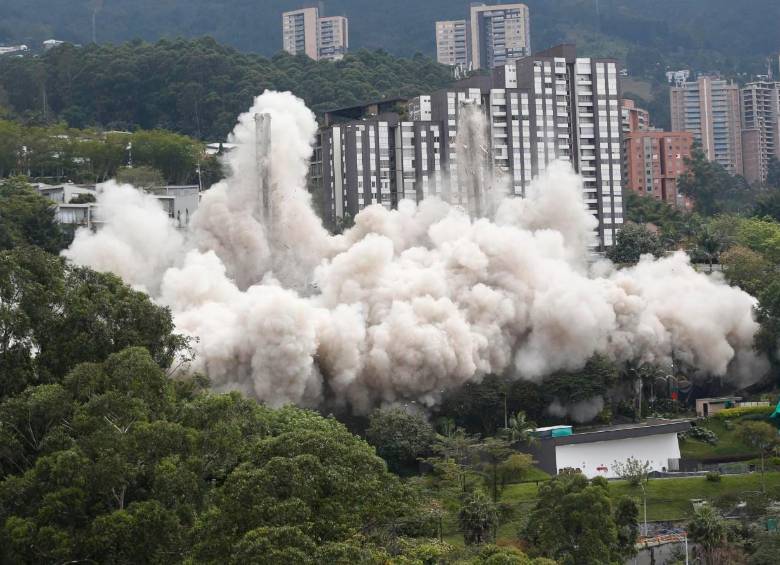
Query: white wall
x=588, y=457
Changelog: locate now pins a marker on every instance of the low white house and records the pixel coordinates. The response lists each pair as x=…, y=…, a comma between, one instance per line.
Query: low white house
x=594, y=452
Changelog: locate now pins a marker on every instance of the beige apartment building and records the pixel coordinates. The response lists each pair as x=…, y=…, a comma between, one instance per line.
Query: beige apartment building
x=319, y=38
x=709, y=108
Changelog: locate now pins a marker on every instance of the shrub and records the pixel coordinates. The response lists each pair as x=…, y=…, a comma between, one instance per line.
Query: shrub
x=713, y=477
x=701, y=434
x=740, y=411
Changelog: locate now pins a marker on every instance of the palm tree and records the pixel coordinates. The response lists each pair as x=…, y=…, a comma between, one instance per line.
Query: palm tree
x=520, y=429
x=709, y=245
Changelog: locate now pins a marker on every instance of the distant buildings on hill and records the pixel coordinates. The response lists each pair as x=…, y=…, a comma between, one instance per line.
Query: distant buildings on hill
x=738, y=128
x=318, y=37
x=491, y=37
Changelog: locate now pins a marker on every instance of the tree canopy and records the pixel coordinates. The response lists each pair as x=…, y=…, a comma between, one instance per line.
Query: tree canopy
x=194, y=87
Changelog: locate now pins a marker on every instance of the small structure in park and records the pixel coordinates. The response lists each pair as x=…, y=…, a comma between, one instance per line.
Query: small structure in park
x=706, y=407
x=595, y=451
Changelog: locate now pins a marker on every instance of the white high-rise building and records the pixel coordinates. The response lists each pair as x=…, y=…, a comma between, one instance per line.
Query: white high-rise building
x=452, y=43
x=550, y=106
x=305, y=32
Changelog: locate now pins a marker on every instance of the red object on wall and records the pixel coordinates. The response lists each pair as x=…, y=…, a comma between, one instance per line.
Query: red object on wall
x=674, y=396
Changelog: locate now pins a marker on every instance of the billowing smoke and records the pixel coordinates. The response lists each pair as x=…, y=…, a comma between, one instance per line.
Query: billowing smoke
x=582, y=411
x=408, y=303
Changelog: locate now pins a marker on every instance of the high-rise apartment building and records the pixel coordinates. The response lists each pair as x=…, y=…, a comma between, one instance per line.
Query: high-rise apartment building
x=333, y=37
x=542, y=108
x=634, y=119
x=499, y=34
x=760, y=128
x=654, y=160
x=305, y=32
x=299, y=32
x=709, y=108
x=452, y=43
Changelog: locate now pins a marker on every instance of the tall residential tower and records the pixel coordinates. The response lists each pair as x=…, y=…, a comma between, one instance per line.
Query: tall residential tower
x=760, y=128
x=546, y=107
x=319, y=38
x=709, y=108
x=499, y=34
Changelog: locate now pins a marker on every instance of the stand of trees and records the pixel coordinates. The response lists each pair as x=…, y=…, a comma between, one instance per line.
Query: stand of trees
x=86, y=155
x=193, y=87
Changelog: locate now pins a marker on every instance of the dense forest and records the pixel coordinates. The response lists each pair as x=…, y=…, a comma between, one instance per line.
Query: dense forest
x=193, y=87
x=646, y=33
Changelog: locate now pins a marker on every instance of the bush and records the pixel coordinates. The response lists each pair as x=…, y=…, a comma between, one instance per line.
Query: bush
x=713, y=476
x=701, y=434
x=741, y=411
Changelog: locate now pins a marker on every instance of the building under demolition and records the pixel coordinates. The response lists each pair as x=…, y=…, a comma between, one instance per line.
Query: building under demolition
x=546, y=107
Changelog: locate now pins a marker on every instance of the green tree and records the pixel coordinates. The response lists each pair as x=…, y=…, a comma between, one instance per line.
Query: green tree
x=712, y=188
x=175, y=156
x=27, y=218
x=456, y=453
x=767, y=339
x=746, y=269
x=761, y=436
x=400, y=438
x=762, y=236
x=632, y=242
x=141, y=177
x=773, y=173
x=83, y=198
x=574, y=522
x=493, y=456
x=54, y=316
x=520, y=429
x=478, y=518
x=768, y=204
x=709, y=531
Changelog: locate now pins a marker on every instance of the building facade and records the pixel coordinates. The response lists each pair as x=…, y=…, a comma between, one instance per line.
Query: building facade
x=634, y=119
x=305, y=32
x=299, y=32
x=499, y=34
x=709, y=108
x=333, y=37
x=594, y=453
x=551, y=106
x=760, y=128
x=653, y=162
x=452, y=43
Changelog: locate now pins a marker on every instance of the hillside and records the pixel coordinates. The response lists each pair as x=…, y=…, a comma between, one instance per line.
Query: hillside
x=196, y=87
x=645, y=33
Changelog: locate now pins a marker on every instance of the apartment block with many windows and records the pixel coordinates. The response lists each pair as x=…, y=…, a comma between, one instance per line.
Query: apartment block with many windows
x=319, y=38
x=709, y=108
x=551, y=106
x=299, y=32
x=452, y=43
x=760, y=128
x=499, y=34
x=333, y=38
x=654, y=161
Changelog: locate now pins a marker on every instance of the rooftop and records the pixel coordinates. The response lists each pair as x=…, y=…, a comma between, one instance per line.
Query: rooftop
x=623, y=431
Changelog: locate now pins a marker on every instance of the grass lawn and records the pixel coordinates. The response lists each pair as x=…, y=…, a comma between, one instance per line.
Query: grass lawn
x=667, y=499
x=728, y=446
